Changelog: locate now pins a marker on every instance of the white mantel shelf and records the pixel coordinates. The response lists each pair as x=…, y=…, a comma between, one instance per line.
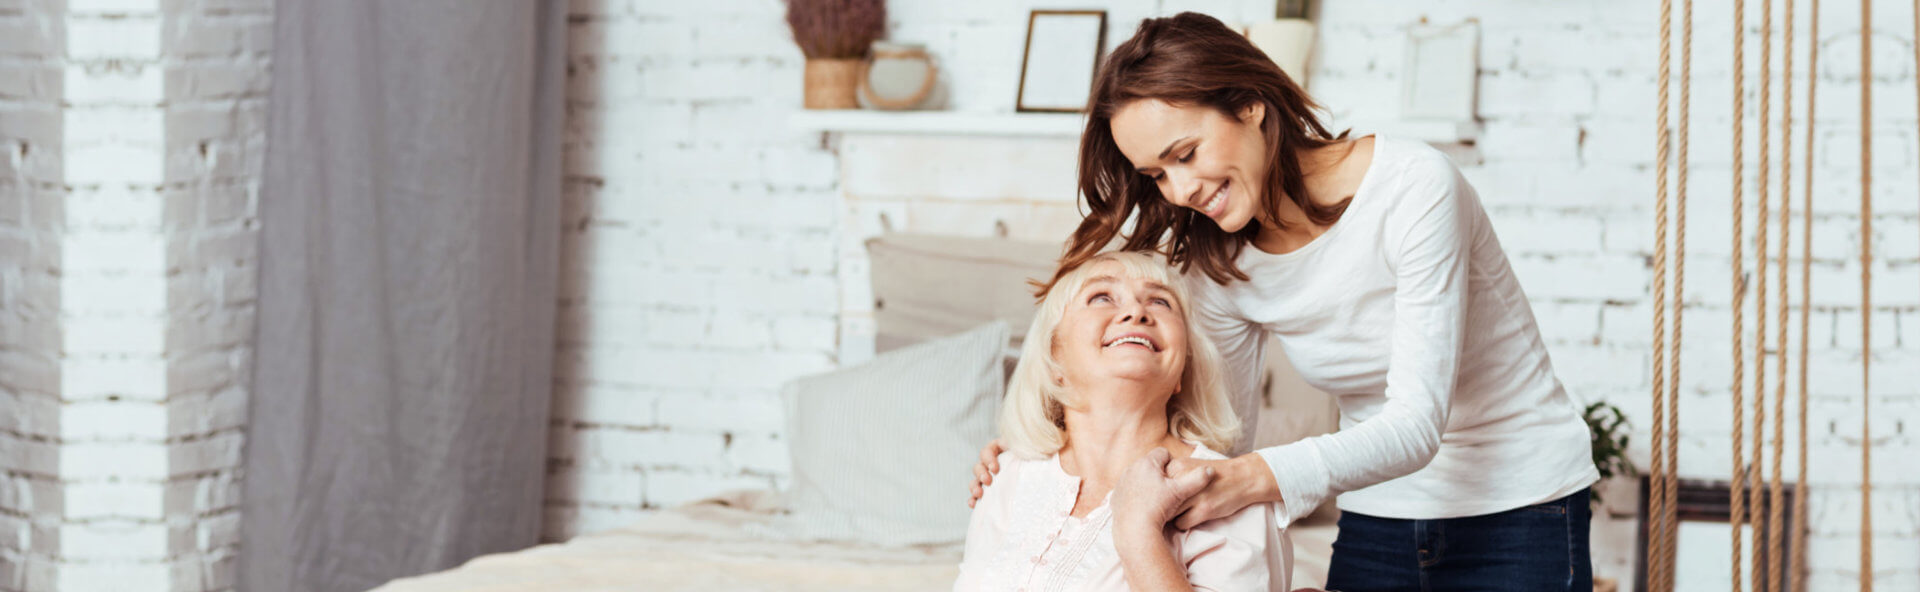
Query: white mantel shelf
x=860, y=121
x=1063, y=125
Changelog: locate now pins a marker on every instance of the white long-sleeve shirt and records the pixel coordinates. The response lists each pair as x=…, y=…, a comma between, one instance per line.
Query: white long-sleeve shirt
x=1407, y=311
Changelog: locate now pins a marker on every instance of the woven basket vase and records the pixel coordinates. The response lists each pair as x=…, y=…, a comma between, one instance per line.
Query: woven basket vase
x=832, y=83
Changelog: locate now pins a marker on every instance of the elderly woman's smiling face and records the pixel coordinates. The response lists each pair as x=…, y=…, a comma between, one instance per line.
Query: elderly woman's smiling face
x=1122, y=328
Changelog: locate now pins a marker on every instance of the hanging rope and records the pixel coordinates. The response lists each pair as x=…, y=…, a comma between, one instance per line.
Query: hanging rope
x=1752, y=479
x=1737, y=513
x=1670, y=495
x=1799, y=538
x=1657, y=552
x=1775, y=505
x=1866, y=294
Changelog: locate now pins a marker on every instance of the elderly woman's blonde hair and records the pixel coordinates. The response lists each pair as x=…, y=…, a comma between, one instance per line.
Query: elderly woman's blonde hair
x=1033, y=416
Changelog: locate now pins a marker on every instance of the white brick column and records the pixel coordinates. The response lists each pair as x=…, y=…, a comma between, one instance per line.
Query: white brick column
x=113, y=455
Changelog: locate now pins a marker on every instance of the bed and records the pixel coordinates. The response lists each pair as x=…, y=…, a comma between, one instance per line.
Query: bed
x=924, y=287
x=712, y=545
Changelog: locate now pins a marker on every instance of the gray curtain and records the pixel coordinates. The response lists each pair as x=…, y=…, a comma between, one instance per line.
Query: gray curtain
x=409, y=218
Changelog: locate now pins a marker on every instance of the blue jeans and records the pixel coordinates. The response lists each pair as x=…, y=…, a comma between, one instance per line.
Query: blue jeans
x=1534, y=548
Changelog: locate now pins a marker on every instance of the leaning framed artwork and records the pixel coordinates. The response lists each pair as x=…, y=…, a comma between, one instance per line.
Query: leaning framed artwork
x=1705, y=509
x=1056, y=69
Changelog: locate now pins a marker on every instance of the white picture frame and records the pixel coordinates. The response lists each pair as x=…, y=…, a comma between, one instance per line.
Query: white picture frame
x=1442, y=72
x=1062, y=50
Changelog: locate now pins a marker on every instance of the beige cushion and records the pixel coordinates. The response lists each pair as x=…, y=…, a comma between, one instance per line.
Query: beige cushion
x=881, y=450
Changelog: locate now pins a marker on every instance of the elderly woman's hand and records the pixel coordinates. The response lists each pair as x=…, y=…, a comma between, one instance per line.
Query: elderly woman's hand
x=1146, y=498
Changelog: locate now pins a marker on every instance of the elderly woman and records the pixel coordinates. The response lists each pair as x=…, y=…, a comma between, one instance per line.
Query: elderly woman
x=1110, y=386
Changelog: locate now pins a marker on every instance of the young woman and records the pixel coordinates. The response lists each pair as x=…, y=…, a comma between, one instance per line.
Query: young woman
x=1109, y=381
x=1461, y=462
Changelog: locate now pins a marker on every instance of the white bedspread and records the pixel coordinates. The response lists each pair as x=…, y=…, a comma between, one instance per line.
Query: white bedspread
x=715, y=545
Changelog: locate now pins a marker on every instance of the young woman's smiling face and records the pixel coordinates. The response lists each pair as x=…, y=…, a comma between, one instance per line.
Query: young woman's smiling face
x=1124, y=328
x=1200, y=158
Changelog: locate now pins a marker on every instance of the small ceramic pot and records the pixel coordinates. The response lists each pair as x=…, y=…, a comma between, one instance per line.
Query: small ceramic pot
x=898, y=76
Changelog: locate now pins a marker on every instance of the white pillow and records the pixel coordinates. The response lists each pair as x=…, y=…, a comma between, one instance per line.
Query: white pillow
x=882, y=451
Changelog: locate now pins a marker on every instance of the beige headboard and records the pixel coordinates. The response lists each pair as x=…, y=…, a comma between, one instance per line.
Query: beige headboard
x=927, y=286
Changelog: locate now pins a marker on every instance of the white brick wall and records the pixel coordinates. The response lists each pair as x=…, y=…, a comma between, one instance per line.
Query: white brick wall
x=216, y=57
x=699, y=239
x=31, y=213
x=688, y=200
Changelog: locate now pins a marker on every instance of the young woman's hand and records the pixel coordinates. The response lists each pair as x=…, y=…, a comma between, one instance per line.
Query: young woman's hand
x=983, y=472
x=1243, y=481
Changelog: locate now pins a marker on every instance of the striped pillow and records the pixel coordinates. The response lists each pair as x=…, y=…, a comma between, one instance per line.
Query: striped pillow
x=881, y=451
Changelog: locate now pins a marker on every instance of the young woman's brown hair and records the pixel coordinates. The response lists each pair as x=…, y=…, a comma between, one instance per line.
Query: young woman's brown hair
x=1194, y=60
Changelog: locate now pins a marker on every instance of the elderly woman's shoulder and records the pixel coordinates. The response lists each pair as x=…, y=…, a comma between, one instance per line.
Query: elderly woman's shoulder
x=1008, y=458
x=1201, y=452
x=1016, y=478
x=1014, y=465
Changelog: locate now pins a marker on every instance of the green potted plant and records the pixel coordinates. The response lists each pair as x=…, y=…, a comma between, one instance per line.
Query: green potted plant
x=835, y=35
x=1608, y=427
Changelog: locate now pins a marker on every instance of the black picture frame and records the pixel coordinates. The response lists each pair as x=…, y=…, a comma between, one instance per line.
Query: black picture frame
x=1700, y=500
